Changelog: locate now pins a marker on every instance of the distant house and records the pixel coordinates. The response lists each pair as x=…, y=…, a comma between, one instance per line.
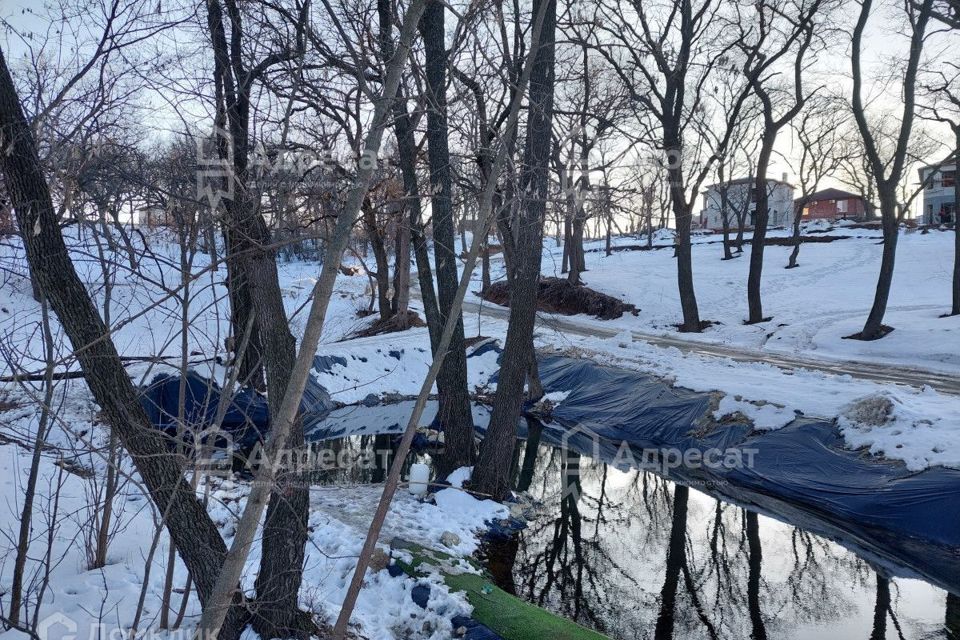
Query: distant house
x=834, y=204
x=739, y=198
x=939, y=197
x=152, y=216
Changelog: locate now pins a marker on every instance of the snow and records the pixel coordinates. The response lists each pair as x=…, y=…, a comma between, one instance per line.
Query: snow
x=393, y=363
x=556, y=397
x=920, y=429
x=812, y=307
x=339, y=517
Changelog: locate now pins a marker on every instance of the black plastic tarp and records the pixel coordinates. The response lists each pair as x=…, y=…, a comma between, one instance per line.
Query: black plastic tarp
x=803, y=469
x=246, y=417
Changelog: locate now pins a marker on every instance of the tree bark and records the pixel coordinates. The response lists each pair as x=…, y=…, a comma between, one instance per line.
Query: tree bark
x=874, y=328
x=285, y=528
x=955, y=309
x=194, y=533
x=369, y=218
x=754, y=300
x=400, y=304
x=797, y=219
x=688, y=296
x=454, y=413
x=492, y=472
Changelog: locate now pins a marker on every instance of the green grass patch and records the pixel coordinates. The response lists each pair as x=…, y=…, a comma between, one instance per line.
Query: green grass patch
x=507, y=615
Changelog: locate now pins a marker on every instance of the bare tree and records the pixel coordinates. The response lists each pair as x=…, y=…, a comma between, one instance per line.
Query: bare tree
x=454, y=413
x=194, y=533
x=943, y=91
x=785, y=32
x=667, y=54
x=818, y=134
x=888, y=172
x=492, y=472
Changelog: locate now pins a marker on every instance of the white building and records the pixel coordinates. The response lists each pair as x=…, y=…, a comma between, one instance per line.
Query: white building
x=939, y=197
x=741, y=201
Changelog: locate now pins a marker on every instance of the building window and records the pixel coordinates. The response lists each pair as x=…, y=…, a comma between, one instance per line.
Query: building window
x=949, y=178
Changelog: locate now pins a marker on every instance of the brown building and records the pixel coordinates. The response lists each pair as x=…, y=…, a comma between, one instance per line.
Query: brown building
x=834, y=204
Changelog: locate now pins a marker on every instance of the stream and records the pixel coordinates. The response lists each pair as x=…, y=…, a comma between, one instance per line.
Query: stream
x=635, y=555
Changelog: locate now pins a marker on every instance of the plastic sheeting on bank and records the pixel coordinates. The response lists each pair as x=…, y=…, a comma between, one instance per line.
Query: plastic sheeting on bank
x=801, y=473
x=246, y=416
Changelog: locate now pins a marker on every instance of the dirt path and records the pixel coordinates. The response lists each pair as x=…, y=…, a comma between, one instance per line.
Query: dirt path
x=872, y=371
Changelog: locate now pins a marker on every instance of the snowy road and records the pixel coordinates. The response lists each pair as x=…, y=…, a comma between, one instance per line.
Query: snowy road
x=874, y=372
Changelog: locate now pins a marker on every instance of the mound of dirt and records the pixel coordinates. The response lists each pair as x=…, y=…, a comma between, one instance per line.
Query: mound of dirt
x=558, y=295
x=391, y=325
x=779, y=241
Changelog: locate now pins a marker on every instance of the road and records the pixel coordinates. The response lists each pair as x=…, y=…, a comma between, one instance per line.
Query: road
x=872, y=371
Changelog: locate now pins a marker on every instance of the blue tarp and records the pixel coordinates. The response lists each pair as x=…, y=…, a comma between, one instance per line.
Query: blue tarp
x=801, y=472
x=247, y=417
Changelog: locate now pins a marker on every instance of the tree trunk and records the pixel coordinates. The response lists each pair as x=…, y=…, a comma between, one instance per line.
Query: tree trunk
x=285, y=527
x=754, y=301
x=725, y=221
x=955, y=309
x=741, y=225
x=688, y=296
x=874, y=328
x=382, y=277
x=191, y=529
x=492, y=472
x=109, y=492
x=797, y=218
x=30, y=491
x=407, y=154
x=485, y=265
x=401, y=273
x=454, y=414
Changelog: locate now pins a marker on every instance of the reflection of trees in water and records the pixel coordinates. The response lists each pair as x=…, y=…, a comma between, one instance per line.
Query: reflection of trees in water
x=601, y=557
x=676, y=560
x=952, y=622
x=562, y=562
x=758, y=630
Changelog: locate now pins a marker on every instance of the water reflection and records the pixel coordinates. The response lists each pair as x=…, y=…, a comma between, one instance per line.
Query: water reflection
x=635, y=556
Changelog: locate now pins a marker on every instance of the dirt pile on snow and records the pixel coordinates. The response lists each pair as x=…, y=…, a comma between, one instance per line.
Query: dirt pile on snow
x=558, y=295
x=870, y=411
x=391, y=325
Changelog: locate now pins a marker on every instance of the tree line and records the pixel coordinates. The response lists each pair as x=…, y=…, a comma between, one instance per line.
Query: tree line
x=264, y=131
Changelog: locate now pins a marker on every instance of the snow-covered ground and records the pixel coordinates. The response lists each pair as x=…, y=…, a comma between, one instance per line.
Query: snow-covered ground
x=101, y=603
x=146, y=318
x=812, y=307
